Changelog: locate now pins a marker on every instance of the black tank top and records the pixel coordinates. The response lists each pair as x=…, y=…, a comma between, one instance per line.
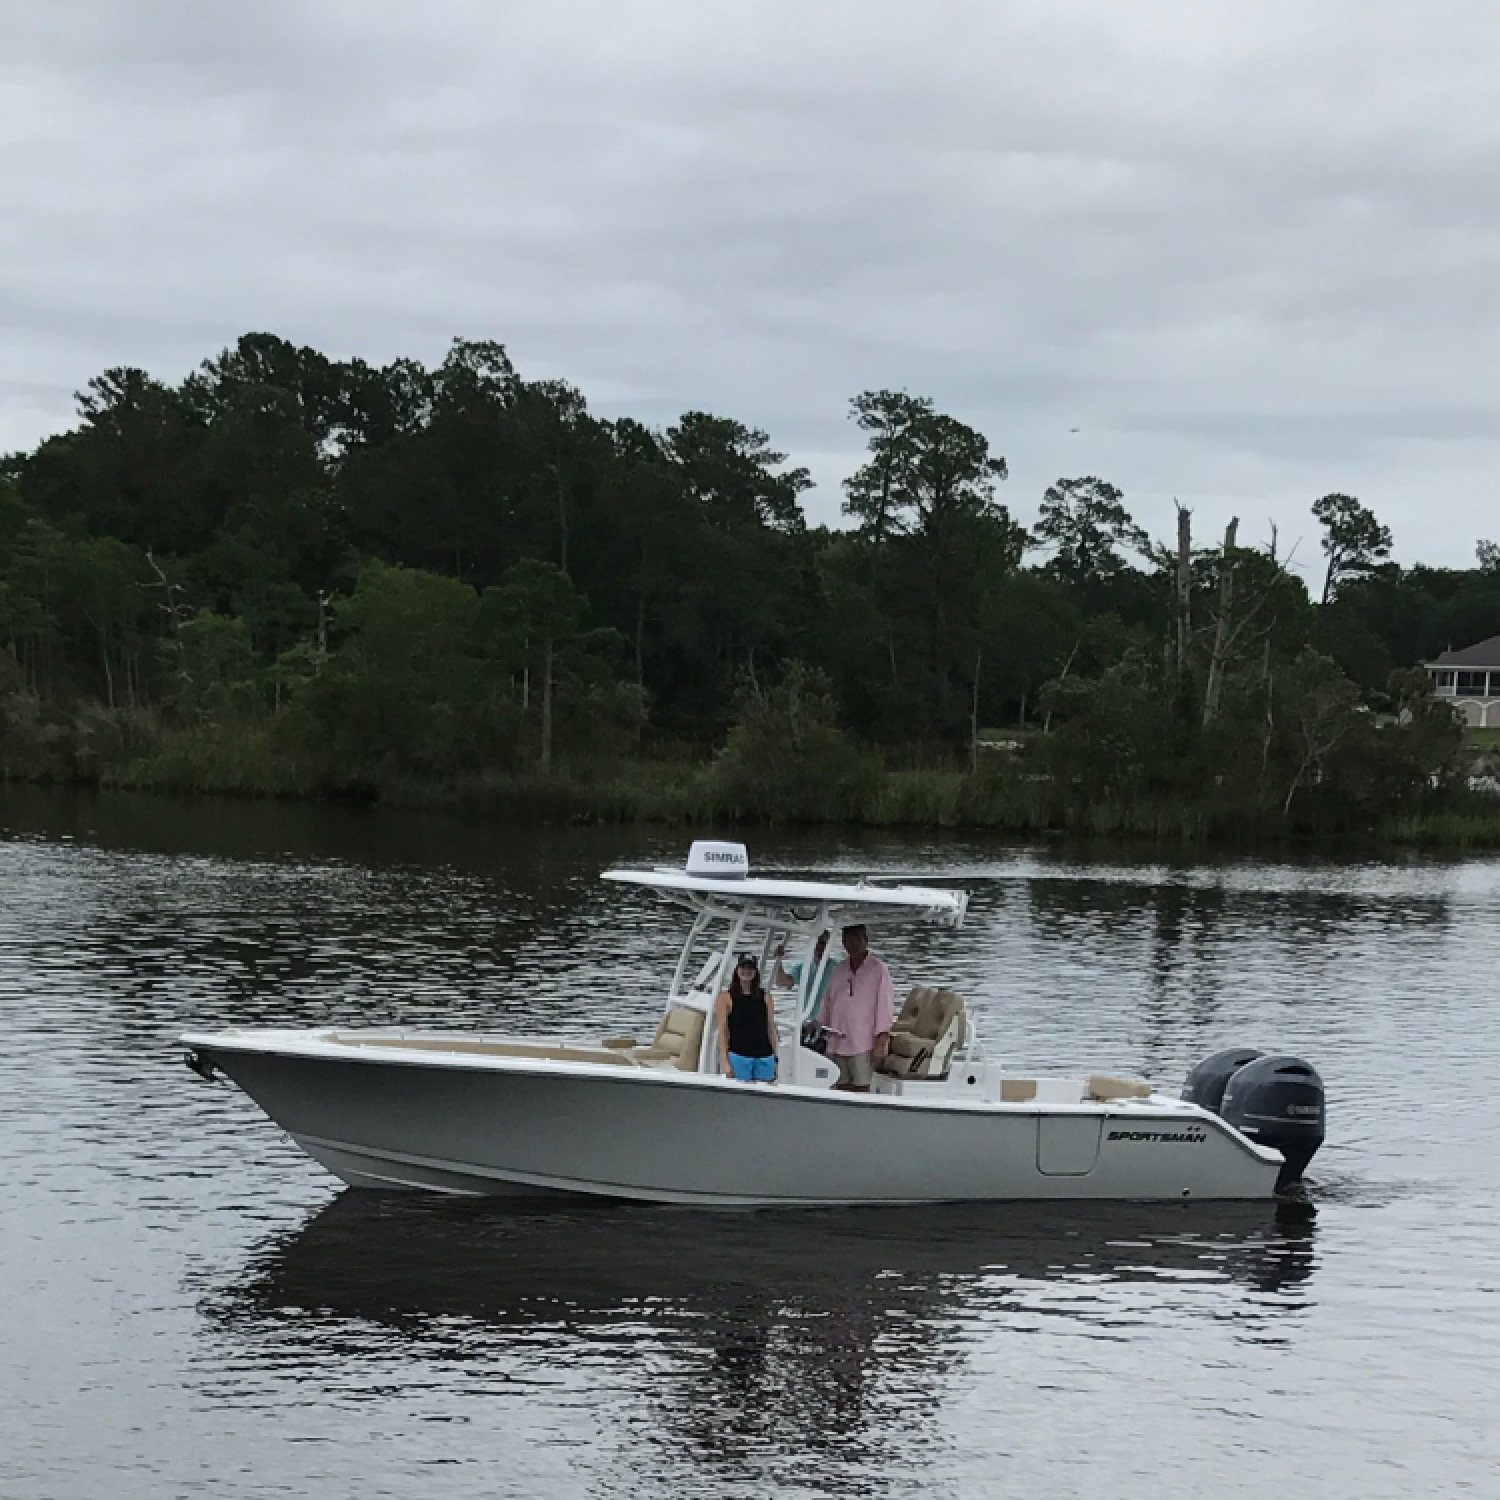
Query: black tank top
x=749, y=1026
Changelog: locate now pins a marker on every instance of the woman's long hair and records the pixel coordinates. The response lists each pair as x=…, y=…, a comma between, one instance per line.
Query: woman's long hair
x=737, y=992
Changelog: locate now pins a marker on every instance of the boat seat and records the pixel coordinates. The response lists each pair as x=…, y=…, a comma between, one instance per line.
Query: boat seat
x=931, y=1025
x=678, y=1040
x=1106, y=1086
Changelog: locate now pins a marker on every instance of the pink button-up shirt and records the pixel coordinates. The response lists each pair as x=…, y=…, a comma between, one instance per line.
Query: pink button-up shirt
x=856, y=1006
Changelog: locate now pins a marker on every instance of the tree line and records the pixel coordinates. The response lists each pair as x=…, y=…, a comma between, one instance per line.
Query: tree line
x=300, y=575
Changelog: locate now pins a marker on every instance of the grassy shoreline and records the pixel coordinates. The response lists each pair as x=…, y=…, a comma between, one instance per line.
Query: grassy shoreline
x=825, y=781
x=676, y=793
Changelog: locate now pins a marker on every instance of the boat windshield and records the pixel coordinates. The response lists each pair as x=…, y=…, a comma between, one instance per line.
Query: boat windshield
x=786, y=952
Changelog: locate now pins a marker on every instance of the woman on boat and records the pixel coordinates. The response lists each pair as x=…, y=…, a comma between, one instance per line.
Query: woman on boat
x=747, y=1025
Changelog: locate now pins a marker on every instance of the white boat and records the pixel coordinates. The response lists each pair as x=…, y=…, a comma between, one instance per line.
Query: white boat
x=653, y=1119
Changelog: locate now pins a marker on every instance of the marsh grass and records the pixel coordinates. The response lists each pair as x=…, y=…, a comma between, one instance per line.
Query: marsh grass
x=833, y=784
x=1472, y=827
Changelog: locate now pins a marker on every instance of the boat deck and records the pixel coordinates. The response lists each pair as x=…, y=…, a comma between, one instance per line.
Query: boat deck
x=482, y=1046
x=624, y=1052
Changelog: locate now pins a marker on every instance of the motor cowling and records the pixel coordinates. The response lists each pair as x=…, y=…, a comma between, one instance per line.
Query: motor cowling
x=1205, y=1084
x=1278, y=1101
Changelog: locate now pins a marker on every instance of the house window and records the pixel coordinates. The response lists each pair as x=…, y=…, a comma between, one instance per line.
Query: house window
x=1443, y=681
x=1472, y=684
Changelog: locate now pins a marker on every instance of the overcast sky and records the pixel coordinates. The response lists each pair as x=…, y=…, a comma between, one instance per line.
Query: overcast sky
x=1248, y=250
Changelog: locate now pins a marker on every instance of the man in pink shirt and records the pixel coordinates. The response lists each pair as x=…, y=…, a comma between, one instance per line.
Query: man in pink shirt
x=856, y=1013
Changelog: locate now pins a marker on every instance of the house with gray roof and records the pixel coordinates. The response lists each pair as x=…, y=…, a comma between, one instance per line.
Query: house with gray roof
x=1470, y=680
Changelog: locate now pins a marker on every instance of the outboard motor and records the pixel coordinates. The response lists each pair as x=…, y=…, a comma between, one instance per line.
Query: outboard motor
x=1278, y=1102
x=1205, y=1084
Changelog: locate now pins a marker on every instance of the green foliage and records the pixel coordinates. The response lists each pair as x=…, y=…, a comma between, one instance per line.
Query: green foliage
x=731, y=471
x=1086, y=523
x=294, y=575
x=1353, y=540
x=786, y=757
x=1106, y=742
x=1473, y=824
x=401, y=694
x=925, y=469
x=217, y=757
x=932, y=549
x=211, y=668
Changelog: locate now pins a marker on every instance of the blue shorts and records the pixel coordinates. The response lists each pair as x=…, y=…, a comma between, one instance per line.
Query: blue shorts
x=752, y=1069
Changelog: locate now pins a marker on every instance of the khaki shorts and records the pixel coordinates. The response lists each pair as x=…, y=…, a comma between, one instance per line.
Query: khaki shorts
x=856, y=1071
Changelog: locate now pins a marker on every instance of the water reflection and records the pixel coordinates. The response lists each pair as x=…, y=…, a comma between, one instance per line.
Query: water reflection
x=816, y=1333
x=390, y=1258
x=175, y=1326
x=1186, y=911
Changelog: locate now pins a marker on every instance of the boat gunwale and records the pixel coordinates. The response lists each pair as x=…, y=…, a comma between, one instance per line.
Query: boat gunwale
x=315, y=1047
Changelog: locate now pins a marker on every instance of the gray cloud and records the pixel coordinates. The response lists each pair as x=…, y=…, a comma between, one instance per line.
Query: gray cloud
x=1248, y=251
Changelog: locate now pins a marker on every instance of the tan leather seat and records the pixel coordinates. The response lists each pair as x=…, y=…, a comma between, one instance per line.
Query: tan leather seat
x=678, y=1040
x=1106, y=1086
x=931, y=1025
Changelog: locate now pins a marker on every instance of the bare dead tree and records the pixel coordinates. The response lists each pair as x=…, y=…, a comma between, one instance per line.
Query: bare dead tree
x=974, y=715
x=176, y=612
x=1061, y=677
x=1268, y=718
x=325, y=598
x=1184, y=589
x=1323, y=714
x=1225, y=628
x=1236, y=615
x=546, y=747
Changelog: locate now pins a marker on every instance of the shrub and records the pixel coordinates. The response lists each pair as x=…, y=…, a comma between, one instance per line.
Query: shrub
x=786, y=758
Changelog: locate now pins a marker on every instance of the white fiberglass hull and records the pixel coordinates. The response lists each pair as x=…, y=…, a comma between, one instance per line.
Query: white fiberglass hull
x=393, y=1118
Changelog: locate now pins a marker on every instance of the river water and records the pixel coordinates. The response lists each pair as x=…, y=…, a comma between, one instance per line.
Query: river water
x=188, y=1306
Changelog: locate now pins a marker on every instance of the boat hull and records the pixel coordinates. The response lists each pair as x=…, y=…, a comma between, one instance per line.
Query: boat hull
x=533, y=1129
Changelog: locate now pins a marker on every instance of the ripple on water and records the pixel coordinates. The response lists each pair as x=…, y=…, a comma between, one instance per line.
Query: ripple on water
x=192, y=1306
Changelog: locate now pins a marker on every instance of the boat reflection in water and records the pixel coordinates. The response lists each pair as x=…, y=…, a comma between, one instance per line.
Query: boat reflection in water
x=820, y=1332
